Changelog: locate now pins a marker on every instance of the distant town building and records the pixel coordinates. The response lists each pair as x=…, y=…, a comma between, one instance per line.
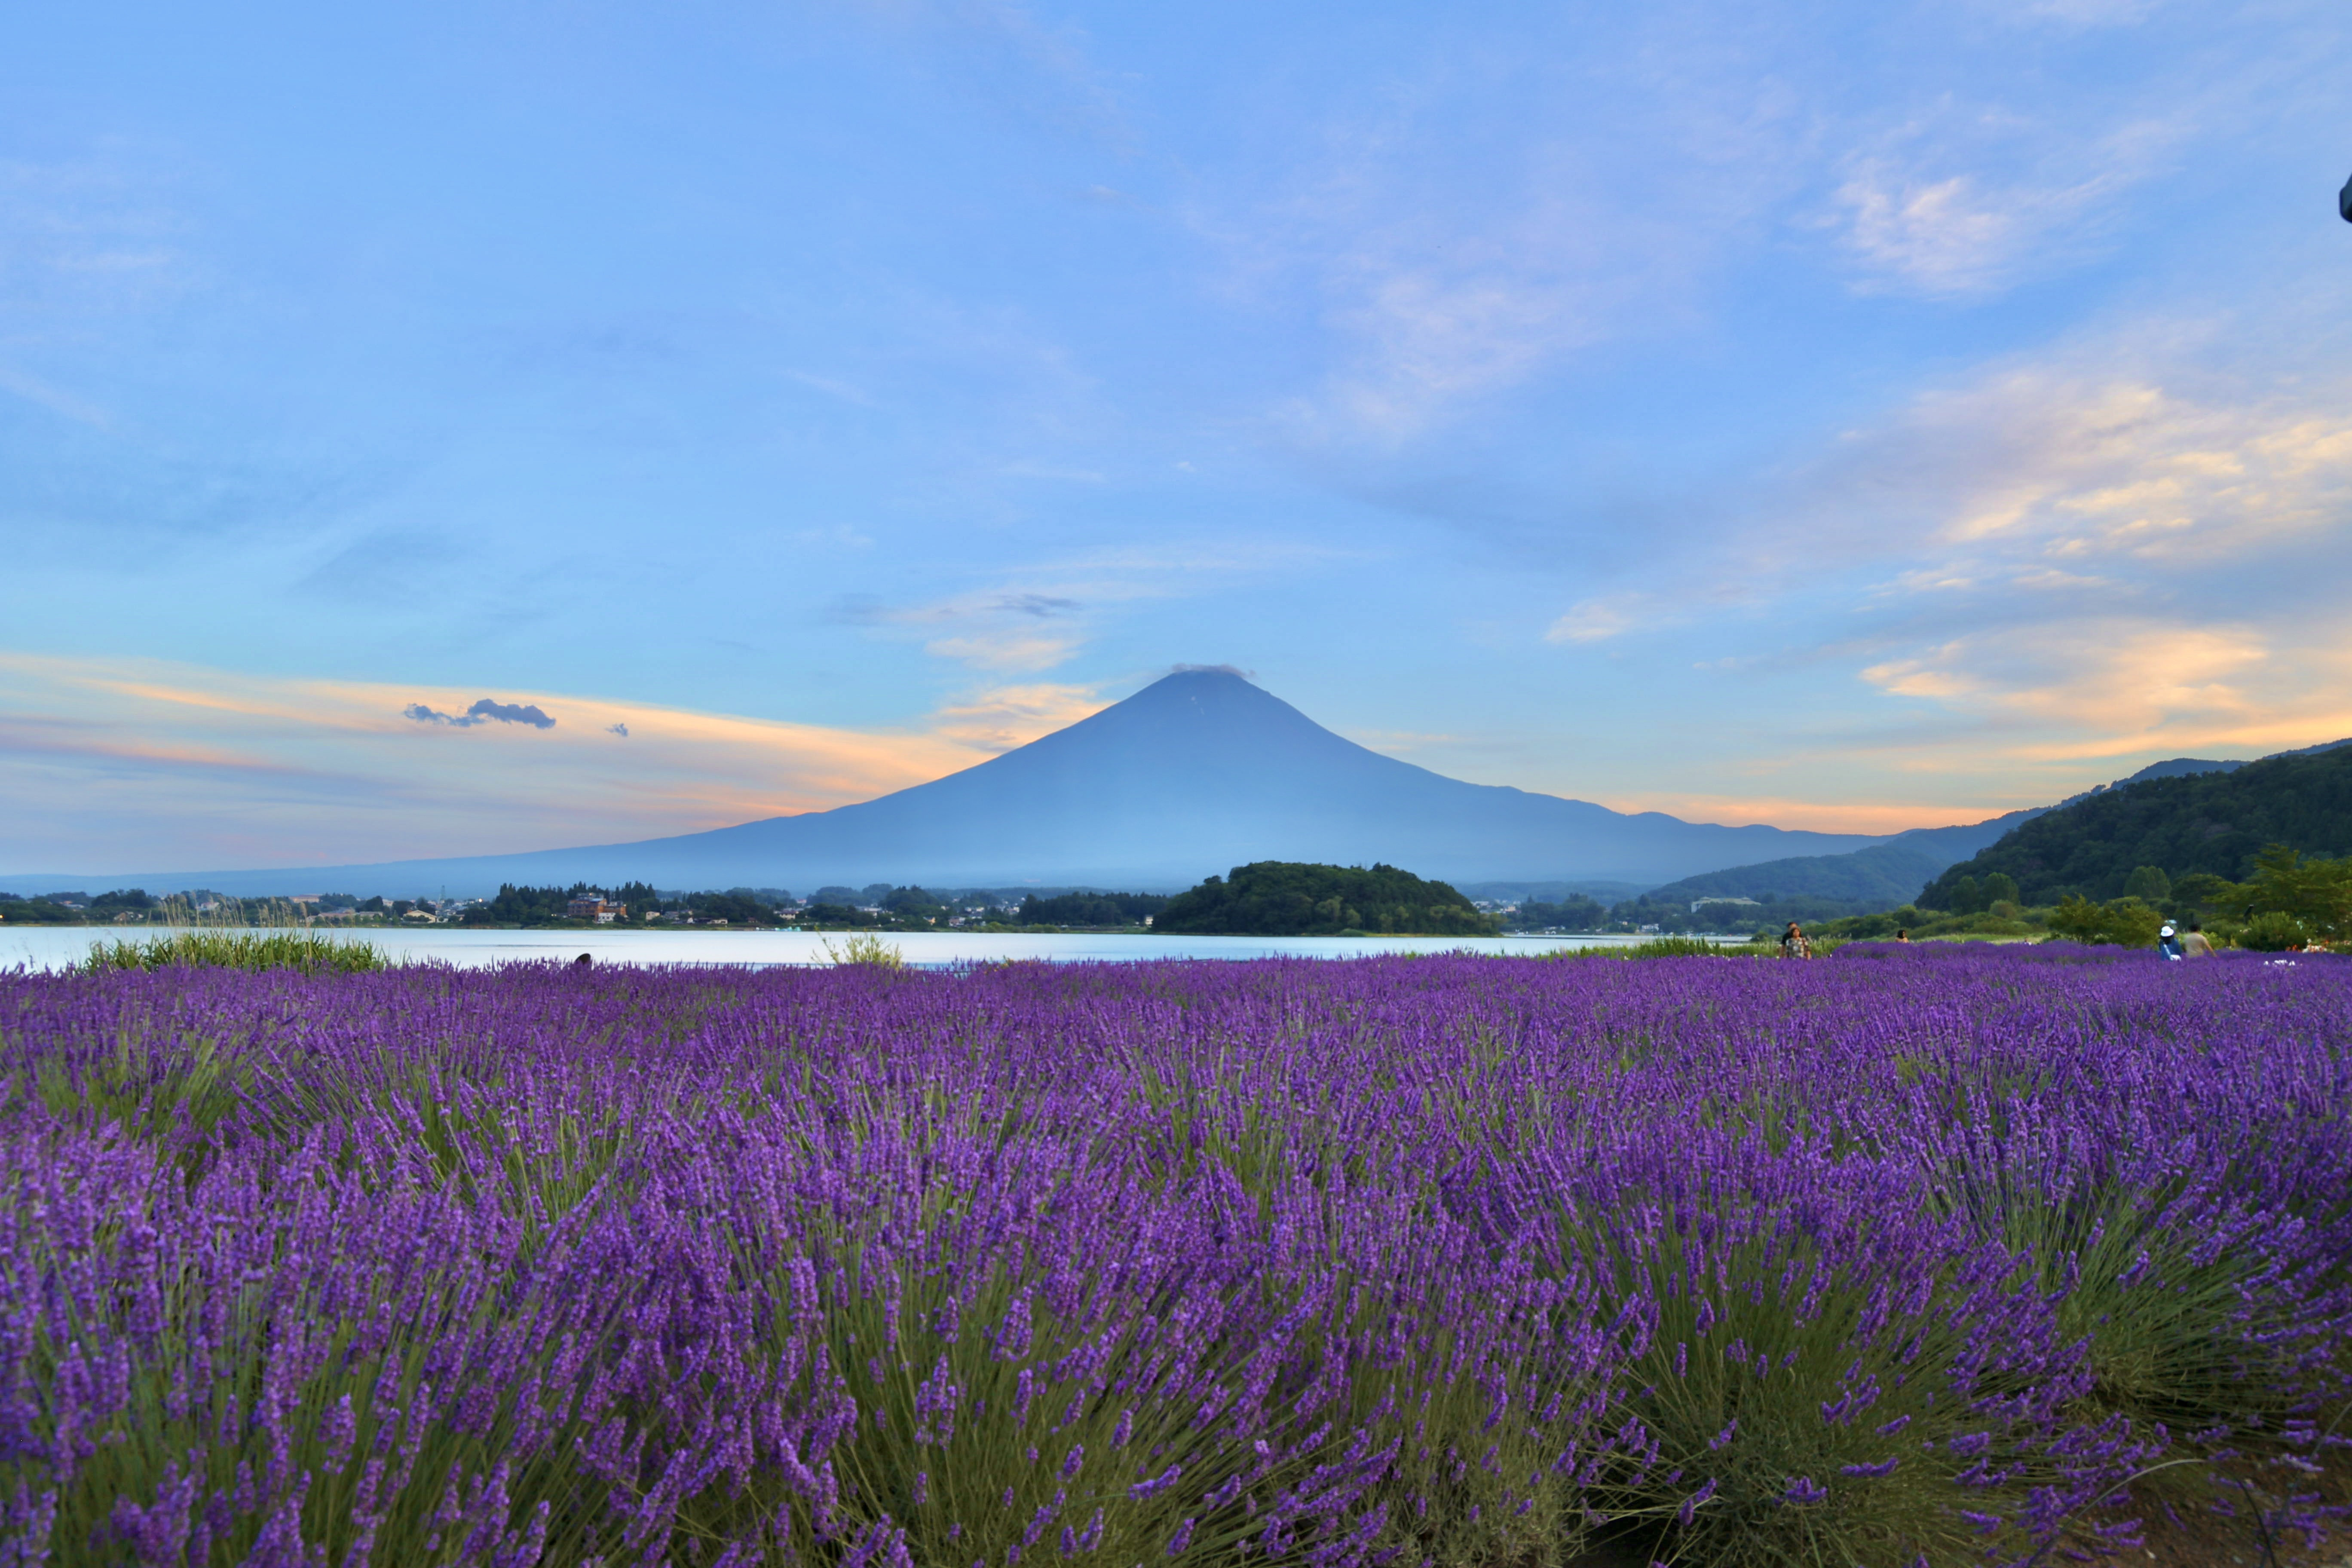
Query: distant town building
x=596, y=909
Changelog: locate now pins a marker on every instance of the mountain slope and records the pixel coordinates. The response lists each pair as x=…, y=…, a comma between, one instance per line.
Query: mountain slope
x=1196, y=773
x=1882, y=877
x=1889, y=875
x=2214, y=822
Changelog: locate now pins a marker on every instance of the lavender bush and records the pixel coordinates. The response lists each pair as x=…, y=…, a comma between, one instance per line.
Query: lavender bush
x=1903, y=1256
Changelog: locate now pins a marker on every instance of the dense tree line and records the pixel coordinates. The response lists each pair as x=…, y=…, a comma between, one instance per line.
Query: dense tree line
x=1578, y=911
x=1772, y=908
x=42, y=910
x=516, y=905
x=1878, y=877
x=1280, y=897
x=76, y=907
x=1091, y=909
x=2212, y=823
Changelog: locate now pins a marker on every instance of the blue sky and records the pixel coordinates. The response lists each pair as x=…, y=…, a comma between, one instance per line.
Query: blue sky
x=1834, y=415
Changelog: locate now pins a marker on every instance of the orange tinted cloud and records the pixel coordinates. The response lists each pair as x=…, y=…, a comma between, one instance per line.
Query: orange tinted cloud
x=351, y=779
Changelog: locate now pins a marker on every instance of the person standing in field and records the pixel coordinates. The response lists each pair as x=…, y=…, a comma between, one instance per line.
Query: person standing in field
x=1794, y=944
x=2167, y=943
x=2195, y=944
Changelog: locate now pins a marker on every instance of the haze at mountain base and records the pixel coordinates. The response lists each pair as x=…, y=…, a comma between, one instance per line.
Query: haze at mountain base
x=1196, y=773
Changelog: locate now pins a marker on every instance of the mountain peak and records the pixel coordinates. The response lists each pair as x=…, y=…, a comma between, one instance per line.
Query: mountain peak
x=1200, y=771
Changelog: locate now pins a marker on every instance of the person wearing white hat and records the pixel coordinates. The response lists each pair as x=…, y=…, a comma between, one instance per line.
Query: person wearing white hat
x=2168, y=942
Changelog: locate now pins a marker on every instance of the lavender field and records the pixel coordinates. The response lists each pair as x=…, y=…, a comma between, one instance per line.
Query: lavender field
x=1901, y=1255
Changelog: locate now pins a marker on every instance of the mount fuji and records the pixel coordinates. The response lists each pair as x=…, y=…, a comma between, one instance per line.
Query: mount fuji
x=1199, y=772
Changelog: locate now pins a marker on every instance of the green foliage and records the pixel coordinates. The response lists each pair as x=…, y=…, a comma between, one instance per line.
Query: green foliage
x=1575, y=913
x=2001, y=888
x=2274, y=931
x=2120, y=922
x=15, y=910
x=898, y=909
x=1091, y=909
x=2177, y=1294
x=309, y=953
x=1775, y=910
x=516, y=906
x=1862, y=882
x=737, y=907
x=1280, y=897
x=2148, y=884
x=2316, y=892
x=1800, y=1414
x=914, y=906
x=1871, y=928
x=2003, y=919
x=831, y=915
x=1672, y=947
x=866, y=950
x=2204, y=891
x=2213, y=824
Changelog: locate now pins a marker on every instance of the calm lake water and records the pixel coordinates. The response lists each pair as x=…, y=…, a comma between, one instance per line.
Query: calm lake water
x=53, y=947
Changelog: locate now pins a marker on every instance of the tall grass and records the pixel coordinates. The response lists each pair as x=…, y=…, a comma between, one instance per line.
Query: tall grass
x=1671, y=947
x=255, y=949
x=867, y=951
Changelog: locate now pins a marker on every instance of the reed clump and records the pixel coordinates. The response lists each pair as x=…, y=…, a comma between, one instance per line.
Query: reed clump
x=202, y=947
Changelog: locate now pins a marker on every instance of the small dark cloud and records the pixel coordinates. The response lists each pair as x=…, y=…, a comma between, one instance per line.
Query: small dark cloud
x=854, y=610
x=1041, y=606
x=1213, y=669
x=620, y=730
x=511, y=713
x=482, y=712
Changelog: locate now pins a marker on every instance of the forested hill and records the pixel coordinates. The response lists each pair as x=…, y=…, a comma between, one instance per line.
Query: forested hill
x=1881, y=878
x=2210, y=822
x=1279, y=897
x=1859, y=882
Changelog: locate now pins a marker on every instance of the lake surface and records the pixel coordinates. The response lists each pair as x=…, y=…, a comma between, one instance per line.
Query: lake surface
x=53, y=947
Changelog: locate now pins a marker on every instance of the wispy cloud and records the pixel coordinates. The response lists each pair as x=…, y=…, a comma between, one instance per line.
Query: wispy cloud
x=2118, y=687
x=1915, y=221
x=1042, y=606
x=2132, y=544
x=188, y=760
x=1598, y=620
x=34, y=390
x=1007, y=649
x=1001, y=718
x=1452, y=256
